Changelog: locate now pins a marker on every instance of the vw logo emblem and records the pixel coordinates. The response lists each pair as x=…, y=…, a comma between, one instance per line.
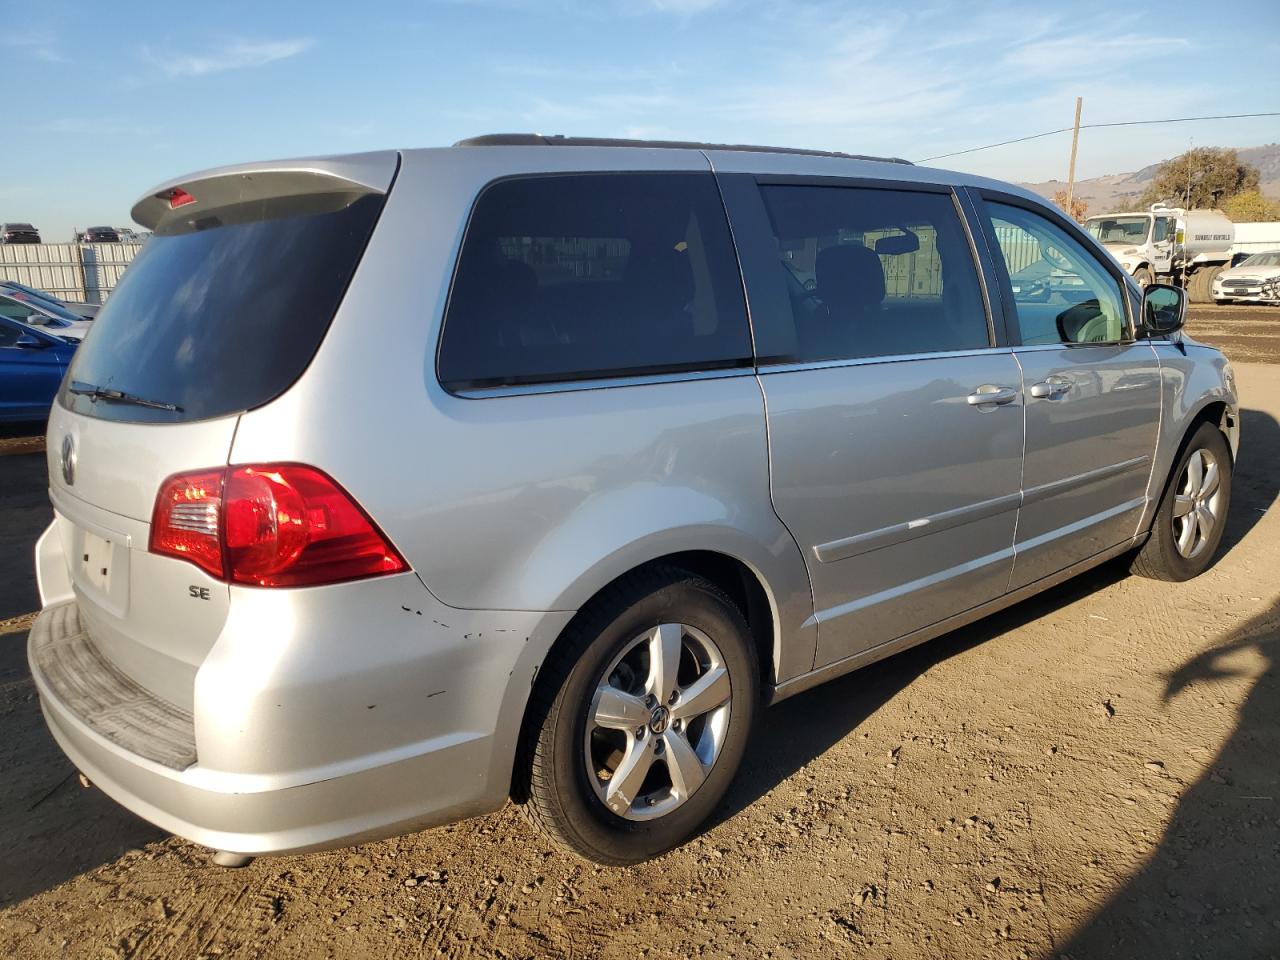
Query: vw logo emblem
x=660, y=719
x=69, y=460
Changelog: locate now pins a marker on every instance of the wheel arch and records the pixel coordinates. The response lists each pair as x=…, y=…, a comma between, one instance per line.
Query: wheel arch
x=743, y=583
x=1220, y=414
x=1213, y=410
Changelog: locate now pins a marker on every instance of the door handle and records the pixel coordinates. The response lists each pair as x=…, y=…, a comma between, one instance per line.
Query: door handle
x=989, y=393
x=1052, y=387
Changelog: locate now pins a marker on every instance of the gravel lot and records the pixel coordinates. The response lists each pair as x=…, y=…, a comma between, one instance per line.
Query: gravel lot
x=1093, y=773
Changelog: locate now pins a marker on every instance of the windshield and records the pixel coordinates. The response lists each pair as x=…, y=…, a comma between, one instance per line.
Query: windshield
x=25, y=313
x=1119, y=229
x=47, y=304
x=222, y=313
x=1269, y=259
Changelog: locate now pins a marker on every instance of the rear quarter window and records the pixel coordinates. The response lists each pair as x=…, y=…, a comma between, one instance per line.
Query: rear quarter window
x=585, y=276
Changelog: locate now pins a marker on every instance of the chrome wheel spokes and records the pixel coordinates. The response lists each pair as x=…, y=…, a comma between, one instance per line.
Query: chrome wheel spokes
x=657, y=721
x=1197, y=503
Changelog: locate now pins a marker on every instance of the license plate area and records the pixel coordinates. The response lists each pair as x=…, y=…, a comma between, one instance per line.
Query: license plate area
x=99, y=562
x=96, y=561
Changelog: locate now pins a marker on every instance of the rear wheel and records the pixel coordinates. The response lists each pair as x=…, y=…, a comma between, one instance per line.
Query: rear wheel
x=1210, y=277
x=1188, y=526
x=640, y=719
x=1197, y=289
x=1200, y=289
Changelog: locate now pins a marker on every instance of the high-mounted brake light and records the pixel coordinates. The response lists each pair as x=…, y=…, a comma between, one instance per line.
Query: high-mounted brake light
x=178, y=197
x=270, y=525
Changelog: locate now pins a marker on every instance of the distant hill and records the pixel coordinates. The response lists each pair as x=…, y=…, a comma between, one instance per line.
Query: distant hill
x=1119, y=191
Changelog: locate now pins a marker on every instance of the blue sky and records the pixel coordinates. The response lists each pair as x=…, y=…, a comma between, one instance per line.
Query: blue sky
x=106, y=100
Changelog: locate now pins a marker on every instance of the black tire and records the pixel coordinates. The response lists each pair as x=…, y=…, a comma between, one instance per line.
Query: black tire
x=1194, y=287
x=1159, y=558
x=551, y=776
x=1143, y=276
x=1210, y=275
x=1200, y=288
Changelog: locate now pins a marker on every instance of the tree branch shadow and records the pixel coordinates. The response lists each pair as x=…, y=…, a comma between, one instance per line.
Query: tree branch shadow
x=1212, y=887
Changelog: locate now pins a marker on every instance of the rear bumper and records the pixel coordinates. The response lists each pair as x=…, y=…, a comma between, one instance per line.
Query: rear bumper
x=391, y=799
x=459, y=769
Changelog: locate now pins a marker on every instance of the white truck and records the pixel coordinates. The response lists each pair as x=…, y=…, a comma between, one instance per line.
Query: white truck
x=1169, y=244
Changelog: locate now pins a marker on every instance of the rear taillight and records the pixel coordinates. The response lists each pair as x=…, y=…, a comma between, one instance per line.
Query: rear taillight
x=185, y=522
x=270, y=525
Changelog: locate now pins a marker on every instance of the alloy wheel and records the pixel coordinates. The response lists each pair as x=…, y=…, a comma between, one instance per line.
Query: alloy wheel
x=657, y=722
x=1197, y=503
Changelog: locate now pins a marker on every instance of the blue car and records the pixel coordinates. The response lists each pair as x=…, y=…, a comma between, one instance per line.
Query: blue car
x=31, y=367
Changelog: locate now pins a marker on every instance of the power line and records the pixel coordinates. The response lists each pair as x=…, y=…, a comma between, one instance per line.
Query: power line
x=1093, y=126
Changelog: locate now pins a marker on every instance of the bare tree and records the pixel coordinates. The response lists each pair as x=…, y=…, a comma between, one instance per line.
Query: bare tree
x=1079, y=208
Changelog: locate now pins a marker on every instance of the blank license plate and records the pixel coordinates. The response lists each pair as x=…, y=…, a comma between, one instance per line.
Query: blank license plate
x=95, y=558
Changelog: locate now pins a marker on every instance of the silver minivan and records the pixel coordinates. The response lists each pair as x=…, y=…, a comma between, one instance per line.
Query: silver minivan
x=392, y=486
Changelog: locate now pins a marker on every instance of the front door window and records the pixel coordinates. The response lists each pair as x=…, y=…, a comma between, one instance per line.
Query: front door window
x=1061, y=293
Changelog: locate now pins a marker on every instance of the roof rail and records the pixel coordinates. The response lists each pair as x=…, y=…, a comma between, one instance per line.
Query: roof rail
x=559, y=140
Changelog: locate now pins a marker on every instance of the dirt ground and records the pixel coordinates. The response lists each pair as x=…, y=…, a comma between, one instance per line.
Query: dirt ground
x=1093, y=773
x=1246, y=332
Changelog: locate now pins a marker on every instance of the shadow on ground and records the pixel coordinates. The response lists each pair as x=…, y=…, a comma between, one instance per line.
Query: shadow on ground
x=50, y=829
x=24, y=513
x=1212, y=887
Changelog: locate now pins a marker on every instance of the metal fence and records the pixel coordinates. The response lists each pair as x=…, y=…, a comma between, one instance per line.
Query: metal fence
x=83, y=272
x=1020, y=248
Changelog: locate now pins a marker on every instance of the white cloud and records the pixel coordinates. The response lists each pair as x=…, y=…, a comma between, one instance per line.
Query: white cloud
x=40, y=44
x=826, y=73
x=233, y=54
x=1089, y=55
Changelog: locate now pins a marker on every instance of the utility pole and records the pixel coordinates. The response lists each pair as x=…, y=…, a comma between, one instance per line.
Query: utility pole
x=1071, y=169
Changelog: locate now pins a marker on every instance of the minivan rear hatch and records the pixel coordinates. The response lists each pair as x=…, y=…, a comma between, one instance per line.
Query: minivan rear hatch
x=221, y=312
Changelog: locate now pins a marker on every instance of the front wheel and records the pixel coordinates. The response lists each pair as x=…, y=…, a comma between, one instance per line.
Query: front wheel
x=1188, y=526
x=640, y=718
x=1143, y=276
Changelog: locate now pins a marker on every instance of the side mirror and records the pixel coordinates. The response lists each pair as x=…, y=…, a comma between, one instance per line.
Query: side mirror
x=1164, y=309
x=31, y=342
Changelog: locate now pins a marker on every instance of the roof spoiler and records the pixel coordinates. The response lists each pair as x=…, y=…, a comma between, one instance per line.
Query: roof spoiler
x=194, y=195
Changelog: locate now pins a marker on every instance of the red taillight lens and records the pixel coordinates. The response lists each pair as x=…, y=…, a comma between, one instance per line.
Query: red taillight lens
x=178, y=197
x=187, y=519
x=272, y=525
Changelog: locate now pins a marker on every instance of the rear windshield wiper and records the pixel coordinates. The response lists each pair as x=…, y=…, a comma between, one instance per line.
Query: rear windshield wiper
x=95, y=392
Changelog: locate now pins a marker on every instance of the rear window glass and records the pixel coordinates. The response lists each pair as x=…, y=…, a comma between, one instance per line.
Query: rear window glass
x=223, y=312
x=596, y=275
